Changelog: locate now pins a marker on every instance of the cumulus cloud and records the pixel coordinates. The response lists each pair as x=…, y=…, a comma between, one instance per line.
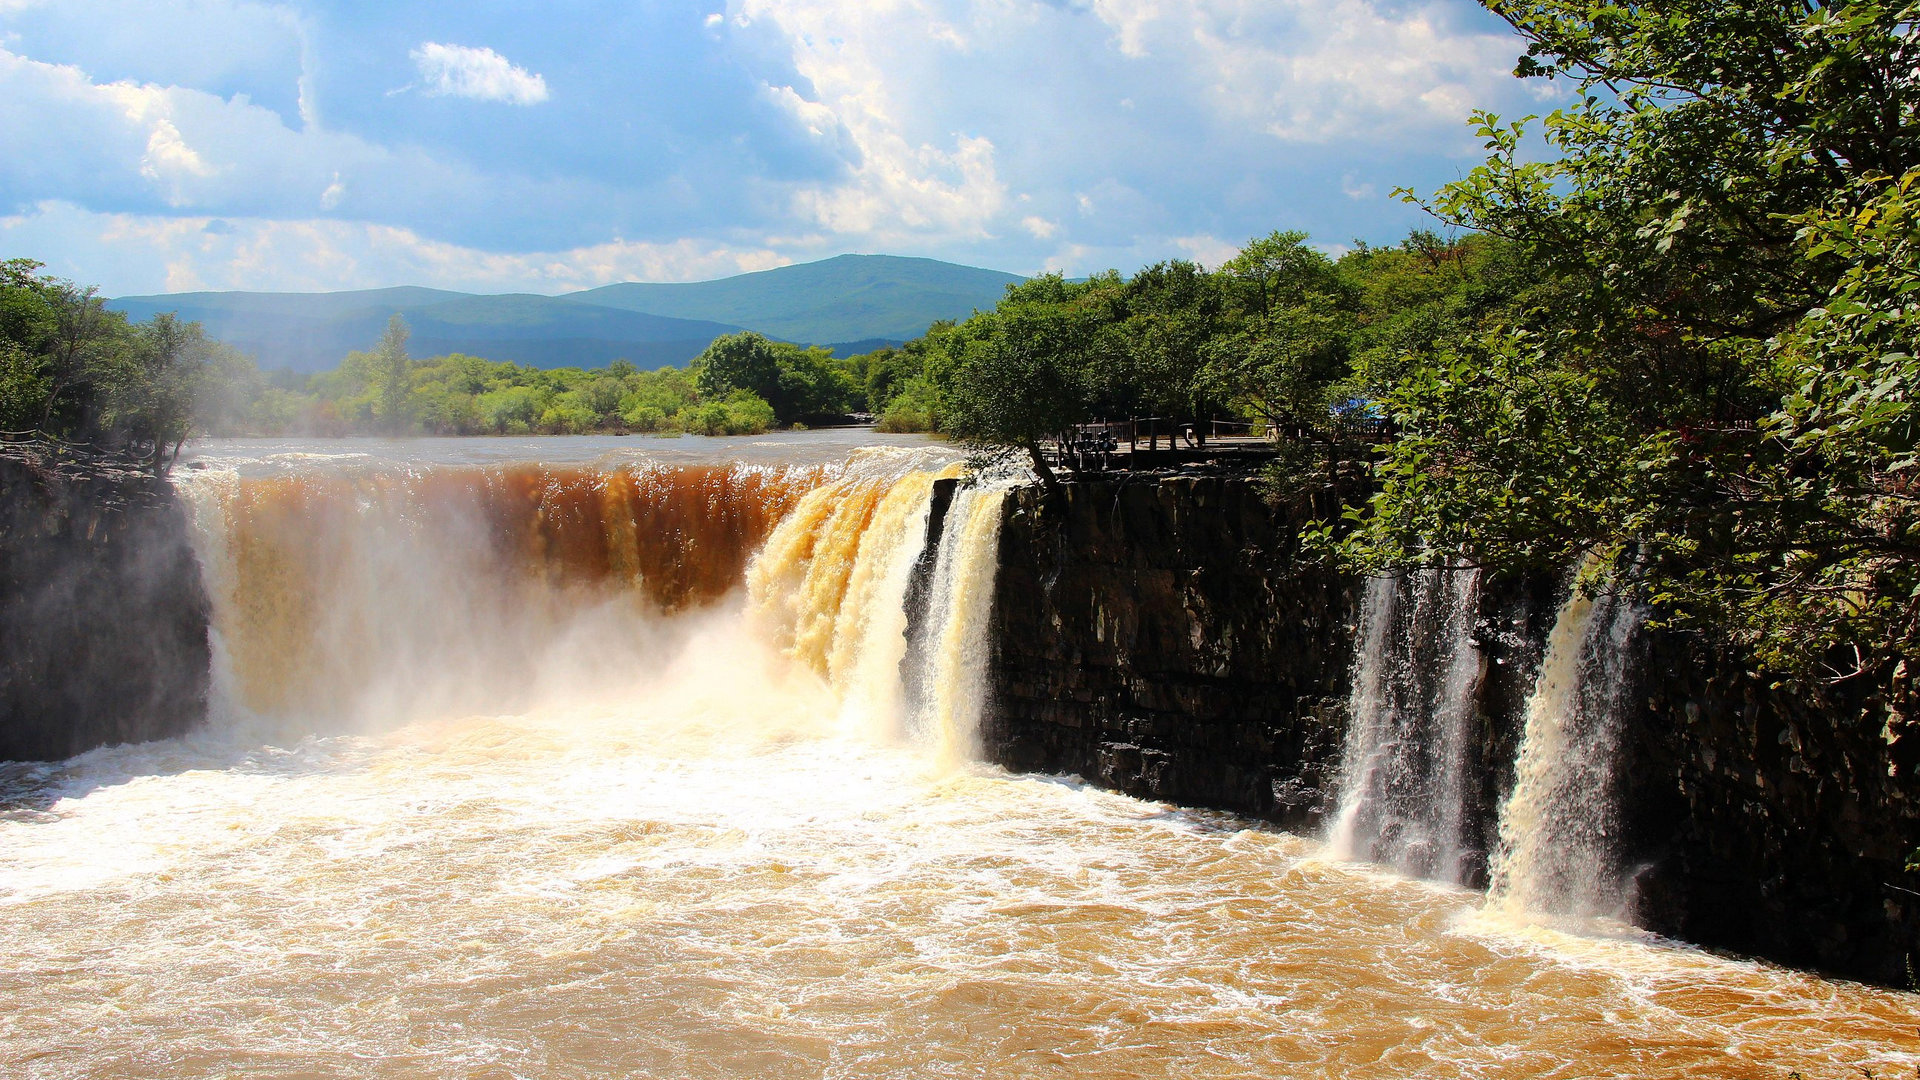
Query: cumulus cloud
x=1079, y=134
x=901, y=183
x=1315, y=70
x=123, y=146
x=954, y=116
x=253, y=47
x=140, y=253
x=481, y=74
x=1208, y=251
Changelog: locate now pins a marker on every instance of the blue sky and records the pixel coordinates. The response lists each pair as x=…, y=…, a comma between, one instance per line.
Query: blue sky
x=230, y=144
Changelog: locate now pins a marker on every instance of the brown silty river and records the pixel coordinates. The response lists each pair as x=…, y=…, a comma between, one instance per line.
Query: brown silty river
x=582, y=758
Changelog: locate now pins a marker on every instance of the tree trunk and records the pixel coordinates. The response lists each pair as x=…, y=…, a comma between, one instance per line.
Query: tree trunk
x=1041, y=467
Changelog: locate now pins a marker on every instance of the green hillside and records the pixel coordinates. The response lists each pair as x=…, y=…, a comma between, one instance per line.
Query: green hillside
x=312, y=331
x=854, y=302
x=843, y=299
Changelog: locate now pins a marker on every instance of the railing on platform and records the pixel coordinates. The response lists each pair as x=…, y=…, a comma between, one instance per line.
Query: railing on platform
x=1097, y=445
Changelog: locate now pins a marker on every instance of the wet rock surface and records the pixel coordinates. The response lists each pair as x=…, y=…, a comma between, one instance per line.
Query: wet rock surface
x=1771, y=823
x=1163, y=637
x=103, y=617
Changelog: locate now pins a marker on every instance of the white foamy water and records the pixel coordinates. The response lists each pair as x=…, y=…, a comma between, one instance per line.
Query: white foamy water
x=689, y=850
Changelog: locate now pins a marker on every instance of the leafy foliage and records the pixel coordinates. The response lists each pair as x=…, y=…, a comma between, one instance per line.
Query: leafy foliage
x=798, y=383
x=71, y=369
x=1716, y=366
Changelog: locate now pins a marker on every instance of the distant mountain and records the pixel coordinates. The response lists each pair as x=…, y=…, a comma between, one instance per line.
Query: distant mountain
x=312, y=331
x=846, y=298
x=853, y=302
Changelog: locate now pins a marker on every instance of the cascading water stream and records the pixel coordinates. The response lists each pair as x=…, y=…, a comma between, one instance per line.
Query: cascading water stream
x=366, y=595
x=1558, y=850
x=830, y=588
x=1406, y=773
x=953, y=657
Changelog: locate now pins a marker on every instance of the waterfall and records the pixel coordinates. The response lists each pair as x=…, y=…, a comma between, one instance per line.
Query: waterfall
x=830, y=589
x=367, y=595
x=1558, y=848
x=952, y=661
x=1405, y=776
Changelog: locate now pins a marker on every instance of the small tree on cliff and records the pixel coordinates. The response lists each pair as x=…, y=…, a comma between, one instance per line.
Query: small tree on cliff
x=396, y=375
x=1020, y=374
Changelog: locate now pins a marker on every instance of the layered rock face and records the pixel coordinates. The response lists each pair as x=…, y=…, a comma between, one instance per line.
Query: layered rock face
x=1768, y=823
x=1161, y=638
x=103, y=618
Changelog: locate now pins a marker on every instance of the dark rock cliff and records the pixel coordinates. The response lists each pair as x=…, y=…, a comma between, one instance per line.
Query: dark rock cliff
x=1162, y=638
x=103, y=618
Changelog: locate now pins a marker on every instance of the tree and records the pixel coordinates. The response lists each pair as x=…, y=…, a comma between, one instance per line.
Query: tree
x=1722, y=226
x=395, y=374
x=1019, y=375
x=796, y=382
x=1173, y=313
x=1292, y=317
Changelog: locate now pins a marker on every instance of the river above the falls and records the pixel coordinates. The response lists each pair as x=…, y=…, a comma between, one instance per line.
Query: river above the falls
x=482, y=797
x=821, y=446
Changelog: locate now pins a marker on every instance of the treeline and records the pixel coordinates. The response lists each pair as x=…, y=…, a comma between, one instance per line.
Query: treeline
x=74, y=371
x=742, y=384
x=1282, y=335
x=1676, y=342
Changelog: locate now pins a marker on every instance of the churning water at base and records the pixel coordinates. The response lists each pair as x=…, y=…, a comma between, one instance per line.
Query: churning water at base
x=687, y=850
x=1406, y=774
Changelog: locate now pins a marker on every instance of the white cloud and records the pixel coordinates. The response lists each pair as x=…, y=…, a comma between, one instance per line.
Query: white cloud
x=953, y=116
x=1208, y=251
x=481, y=74
x=1039, y=227
x=139, y=253
x=1318, y=70
x=901, y=186
x=123, y=145
x=258, y=48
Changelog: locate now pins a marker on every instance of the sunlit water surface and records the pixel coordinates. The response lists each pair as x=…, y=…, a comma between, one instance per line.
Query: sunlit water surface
x=693, y=863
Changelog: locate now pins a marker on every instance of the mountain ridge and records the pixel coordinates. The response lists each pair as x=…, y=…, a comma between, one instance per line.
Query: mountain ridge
x=858, y=300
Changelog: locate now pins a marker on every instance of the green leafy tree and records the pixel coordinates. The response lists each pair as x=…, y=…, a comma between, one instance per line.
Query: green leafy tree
x=1020, y=375
x=395, y=376
x=1717, y=373
x=1173, y=314
x=1288, y=347
x=797, y=382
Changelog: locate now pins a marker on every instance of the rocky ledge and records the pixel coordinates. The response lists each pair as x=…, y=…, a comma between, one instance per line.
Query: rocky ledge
x=103, y=618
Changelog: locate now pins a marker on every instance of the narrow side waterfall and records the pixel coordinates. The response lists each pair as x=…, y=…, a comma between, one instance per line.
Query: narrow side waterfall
x=1558, y=851
x=1405, y=777
x=953, y=653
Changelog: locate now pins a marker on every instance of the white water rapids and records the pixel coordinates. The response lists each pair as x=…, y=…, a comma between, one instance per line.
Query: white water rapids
x=698, y=835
